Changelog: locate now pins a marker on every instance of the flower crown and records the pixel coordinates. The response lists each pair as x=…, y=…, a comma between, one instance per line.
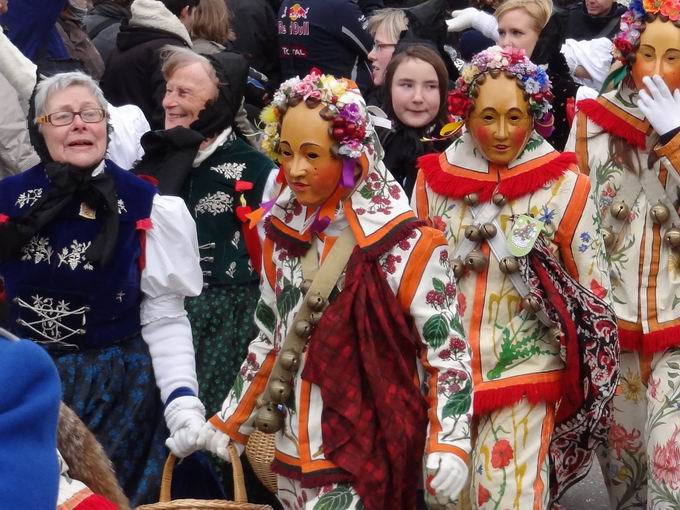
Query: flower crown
x=344, y=108
x=632, y=21
x=532, y=78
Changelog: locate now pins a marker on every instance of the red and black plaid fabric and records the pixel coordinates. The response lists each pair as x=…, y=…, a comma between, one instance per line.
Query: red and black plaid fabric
x=363, y=358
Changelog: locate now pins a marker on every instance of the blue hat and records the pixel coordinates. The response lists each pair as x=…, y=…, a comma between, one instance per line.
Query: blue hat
x=30, y=393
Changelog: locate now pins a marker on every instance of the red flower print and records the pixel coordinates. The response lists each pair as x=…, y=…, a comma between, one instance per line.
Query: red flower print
x=666, y=462
x=501, y=454
x=483, y=495
x=597, y=289
x=462, y=303
x=438, y=223
x=620, y=439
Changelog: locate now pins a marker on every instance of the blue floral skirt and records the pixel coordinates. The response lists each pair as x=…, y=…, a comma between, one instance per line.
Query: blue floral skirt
x=113, y=390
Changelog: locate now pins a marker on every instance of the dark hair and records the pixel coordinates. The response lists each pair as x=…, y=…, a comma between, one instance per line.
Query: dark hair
x=424, y=53
x=176, y=6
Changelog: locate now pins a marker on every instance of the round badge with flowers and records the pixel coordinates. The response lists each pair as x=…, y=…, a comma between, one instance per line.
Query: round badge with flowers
x=513, y=62
x=343, y=109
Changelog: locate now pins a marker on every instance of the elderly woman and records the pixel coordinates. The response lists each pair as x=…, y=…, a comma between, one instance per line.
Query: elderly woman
x=97, y=266
x=221, y=178
x=350, y=423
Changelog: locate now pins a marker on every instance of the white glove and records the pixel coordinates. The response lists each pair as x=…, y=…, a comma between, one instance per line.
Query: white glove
x=450, y=474
x=660, y=107
x=217, y=442
x=473, y=18
x=185, y=416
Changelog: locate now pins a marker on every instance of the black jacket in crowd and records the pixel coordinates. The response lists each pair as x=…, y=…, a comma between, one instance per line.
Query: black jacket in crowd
x=577, y=24
x=103, y=23
x=133, y=71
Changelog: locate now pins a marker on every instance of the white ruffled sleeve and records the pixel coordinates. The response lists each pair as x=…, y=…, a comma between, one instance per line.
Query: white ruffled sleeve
x=171, y=272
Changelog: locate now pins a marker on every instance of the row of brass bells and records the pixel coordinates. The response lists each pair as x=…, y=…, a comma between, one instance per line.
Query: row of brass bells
x=672, y=237
x=660, y=213
x=290, y=360
x=471, y=199
x=554, y=333
x=531, y=304
x=476, y=261
x=475, y=233
x=619, y=210
x=509, y=265
x=316, y=302
x=280, y=390
x=303, y=329
x=499, y=199
x=458, y=266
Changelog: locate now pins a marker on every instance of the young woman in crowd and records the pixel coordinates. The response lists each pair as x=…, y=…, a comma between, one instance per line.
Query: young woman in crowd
x=416, y=84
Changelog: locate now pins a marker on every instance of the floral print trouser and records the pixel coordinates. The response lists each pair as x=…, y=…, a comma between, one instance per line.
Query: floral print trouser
x=509, y=465
x=642, y=461
x=337, y=497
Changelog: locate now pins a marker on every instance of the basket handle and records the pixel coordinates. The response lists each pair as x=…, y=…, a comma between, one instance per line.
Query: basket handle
x=240, y=495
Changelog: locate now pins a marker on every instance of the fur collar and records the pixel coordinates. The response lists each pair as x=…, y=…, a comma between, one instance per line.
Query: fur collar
x=462, y=169
x=153, y=14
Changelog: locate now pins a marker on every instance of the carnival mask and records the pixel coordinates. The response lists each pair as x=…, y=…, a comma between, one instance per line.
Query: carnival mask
x=500, y=123
x=658, y=53
x=312, y=172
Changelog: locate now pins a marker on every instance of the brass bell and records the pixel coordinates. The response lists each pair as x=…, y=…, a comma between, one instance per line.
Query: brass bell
x=619, y=210
x=305, y=285
x=554, y=333
x=471, y=199
x=608, y=237
x=316, y=302
x=499, y=199
x=269, y=419
x=315, y=317
x=458, y=267
x=473, y=233
x=289, y=360
x=660, y=213
x=279, y=391
x=509, y=265
x=531, y=304
x=476, y=261
x=303, y=329
x=488, y=230
x=672, y=237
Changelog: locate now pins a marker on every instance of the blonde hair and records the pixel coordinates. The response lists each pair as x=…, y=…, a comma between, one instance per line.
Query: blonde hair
x=394, y=21
x=539, y=10
x=212, y=22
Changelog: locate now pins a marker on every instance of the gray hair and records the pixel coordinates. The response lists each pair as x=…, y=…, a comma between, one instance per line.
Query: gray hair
x=62, y=81
x=176, y=57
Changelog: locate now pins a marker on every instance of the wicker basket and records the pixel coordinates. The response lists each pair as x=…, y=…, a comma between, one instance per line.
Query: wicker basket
x=240, y=495
x=260, y=452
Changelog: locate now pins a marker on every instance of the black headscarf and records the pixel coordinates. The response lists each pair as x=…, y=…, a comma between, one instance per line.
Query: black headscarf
x=66, y=183
x=169, y=154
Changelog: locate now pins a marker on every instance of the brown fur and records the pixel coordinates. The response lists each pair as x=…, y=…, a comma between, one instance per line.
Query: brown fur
x=86, y=458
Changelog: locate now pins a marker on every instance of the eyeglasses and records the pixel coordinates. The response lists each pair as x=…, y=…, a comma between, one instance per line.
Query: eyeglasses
x=379, y=47
x=91, y=116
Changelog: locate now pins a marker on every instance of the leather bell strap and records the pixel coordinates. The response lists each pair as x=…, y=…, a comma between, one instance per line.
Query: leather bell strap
x=324, y=280
x=499, y=248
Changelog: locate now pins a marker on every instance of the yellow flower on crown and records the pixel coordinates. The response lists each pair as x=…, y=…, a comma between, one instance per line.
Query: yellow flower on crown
x=470, y=73
x=268, y=115
x=652, y=6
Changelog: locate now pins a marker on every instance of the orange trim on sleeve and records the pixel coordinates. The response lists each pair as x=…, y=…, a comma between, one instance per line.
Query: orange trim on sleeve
x=420, y=193
x=573, y=212
x=546, y=434
x=582, y=142
x=671, y=151
x=303, y=421
x=365, y=241
x=268, y=259
x=429, y=240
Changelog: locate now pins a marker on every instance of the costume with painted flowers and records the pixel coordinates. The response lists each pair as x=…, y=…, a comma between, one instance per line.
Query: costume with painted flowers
x=541, y=376
x=357, y=427
x=627, y=142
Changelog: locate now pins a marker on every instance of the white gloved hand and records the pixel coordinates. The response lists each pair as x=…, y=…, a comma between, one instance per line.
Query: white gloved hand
x=660, y=107
x=450, y=474
x=473, y=18
x=217, y=442
x=185, y=416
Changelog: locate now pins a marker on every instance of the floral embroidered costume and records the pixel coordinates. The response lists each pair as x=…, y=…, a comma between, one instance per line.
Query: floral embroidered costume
x=528, y=371
x=357, y=425
x=634, y=169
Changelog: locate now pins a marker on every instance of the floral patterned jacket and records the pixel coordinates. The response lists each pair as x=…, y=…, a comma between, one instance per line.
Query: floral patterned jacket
x=614, y=144
x=417, y=270
x=512, y=356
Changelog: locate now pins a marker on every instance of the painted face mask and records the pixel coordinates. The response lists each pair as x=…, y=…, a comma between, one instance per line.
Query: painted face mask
x=311, y=170
x=500, y=122
x=658, y=53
